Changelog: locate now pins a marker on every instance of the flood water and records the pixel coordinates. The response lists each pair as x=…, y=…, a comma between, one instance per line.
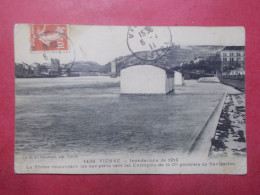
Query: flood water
x=88, y=115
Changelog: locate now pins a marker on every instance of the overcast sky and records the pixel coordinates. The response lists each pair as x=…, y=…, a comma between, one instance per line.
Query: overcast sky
x=102, y=44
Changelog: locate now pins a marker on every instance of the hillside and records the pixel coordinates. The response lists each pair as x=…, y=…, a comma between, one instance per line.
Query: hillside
x=171, y=60
x=85, y=66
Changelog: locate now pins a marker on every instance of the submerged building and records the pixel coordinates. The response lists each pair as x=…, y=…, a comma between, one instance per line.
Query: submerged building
x=178, y=78
x=146, y=79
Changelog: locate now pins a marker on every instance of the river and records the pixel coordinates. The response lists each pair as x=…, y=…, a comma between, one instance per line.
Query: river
x=88, y=115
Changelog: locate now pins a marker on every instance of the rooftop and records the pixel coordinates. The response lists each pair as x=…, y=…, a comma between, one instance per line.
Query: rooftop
x=238, y=48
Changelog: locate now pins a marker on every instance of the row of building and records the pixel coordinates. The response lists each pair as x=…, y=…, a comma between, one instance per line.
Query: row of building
x=23, y=70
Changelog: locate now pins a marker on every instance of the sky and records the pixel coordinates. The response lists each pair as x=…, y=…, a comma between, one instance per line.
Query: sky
x=103, y=44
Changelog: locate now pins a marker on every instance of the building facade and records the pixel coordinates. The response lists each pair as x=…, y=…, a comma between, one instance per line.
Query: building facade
x=233, y=59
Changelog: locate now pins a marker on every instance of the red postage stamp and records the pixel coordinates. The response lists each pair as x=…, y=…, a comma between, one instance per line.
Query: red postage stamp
x=49, y=37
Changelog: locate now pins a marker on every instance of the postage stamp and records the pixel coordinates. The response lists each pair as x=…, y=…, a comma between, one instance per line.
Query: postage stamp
x=155, y=41
x=49, y=37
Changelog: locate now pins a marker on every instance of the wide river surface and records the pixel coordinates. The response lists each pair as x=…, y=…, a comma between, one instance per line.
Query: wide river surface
x=88, y=115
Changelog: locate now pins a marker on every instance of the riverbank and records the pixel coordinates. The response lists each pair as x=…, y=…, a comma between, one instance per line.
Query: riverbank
x=237, y=84
x=230, y=137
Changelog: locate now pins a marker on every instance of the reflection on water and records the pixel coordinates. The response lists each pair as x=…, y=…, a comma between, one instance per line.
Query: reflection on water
x=88, y=115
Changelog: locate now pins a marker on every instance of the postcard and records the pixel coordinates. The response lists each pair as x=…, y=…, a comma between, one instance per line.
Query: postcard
x=129, y=99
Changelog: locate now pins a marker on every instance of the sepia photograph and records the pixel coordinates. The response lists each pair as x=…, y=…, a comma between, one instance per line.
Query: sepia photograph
x=129, y=99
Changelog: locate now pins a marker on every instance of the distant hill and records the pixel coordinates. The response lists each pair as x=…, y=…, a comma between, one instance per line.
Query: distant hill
x=85, y=66
x=171, y=60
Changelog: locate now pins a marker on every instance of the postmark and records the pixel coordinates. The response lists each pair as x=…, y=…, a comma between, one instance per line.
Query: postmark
x=149, y=43
x=49, y=37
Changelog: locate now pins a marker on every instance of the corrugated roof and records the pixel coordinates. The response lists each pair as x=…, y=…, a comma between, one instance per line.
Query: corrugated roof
x=168, y=71
x=238, y=48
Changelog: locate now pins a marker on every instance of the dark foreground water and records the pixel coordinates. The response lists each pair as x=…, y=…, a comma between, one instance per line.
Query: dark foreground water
x=88, y=115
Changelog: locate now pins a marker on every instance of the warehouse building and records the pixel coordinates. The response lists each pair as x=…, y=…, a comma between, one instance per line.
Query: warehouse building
x=146, y=79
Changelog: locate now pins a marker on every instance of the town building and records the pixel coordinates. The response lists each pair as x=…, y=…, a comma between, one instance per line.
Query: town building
x=146, y=79
x=233, y=59
x=22, y=70
x=55, y=67
x=36, y=69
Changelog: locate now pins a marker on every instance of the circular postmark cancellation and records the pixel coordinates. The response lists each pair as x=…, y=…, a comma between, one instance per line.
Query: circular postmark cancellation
x=149, y=43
